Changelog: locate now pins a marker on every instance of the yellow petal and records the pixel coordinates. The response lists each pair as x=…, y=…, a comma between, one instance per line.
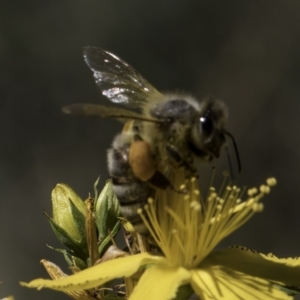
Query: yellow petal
x=55, y=273
x=160, y=283
x=99, y=274
x=247, y=261
x=222, y=283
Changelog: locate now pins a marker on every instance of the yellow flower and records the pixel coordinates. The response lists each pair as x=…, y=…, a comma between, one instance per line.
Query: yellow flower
x=186, y=228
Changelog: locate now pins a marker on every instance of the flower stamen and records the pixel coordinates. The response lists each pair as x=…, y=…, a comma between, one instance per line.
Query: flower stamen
x=197, y=226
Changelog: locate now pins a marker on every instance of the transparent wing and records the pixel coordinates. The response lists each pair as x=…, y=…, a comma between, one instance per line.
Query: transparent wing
x=116, y=79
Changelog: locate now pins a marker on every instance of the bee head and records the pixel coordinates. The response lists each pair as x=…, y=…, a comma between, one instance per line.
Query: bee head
x=208, y=134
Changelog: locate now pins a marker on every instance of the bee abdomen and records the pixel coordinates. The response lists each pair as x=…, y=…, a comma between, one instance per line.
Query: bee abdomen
x=132, y=196
x=131, y=192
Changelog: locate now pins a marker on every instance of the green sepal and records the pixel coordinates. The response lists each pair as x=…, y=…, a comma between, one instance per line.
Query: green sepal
x=79, y=263
x=77, y=249
x=107, y=241
x=70, y=258
x=107, y=211
x=66, y=254
x=63, y=251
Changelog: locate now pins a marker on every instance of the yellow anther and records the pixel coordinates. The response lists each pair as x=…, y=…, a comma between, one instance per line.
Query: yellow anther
x=271, y=181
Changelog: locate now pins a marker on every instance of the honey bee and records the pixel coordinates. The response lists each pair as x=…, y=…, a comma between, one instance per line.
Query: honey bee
x=161, y=131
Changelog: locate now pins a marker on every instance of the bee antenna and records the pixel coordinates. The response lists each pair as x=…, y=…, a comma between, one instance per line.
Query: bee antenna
x=230, y=164
x=236, y=153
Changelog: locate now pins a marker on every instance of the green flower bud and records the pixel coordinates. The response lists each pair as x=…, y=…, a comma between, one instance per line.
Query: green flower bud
x=68, y=222
x=107, y=211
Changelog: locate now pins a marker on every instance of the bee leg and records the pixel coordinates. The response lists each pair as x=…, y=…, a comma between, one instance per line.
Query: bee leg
x=160, y=181
x=178, y=160
x=141, y=160
x=143, y=165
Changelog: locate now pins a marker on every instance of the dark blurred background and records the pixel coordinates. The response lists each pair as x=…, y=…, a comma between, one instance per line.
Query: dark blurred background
x=244, y=52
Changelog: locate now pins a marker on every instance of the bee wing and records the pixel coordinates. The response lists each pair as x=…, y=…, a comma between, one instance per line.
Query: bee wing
x=105, y=112
x=116, y=79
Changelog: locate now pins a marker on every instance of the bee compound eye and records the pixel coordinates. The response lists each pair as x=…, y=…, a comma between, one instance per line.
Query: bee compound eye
x=206, y=126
